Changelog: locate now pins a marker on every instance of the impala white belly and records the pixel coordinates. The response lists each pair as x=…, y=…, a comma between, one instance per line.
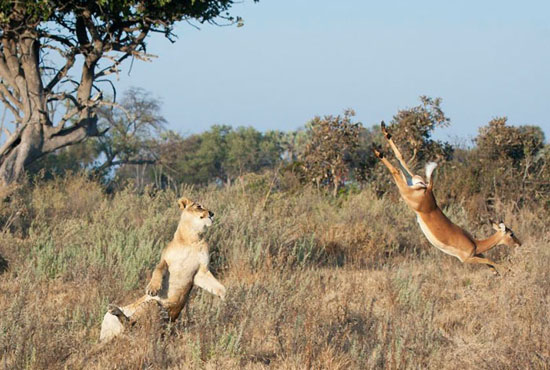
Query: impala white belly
x=436, y=242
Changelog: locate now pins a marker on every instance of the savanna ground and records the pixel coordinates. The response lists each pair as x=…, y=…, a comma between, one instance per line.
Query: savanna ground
x=313, y=282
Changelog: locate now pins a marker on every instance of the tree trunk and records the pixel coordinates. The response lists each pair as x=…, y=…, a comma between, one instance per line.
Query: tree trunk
x=336, y=187
x=23, y=151
x=34, y=141
x=22, y=91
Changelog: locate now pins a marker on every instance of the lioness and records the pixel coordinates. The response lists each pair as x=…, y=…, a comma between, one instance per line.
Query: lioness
x=183, y=263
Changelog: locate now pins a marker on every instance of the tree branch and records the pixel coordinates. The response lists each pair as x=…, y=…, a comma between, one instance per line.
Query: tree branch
x=4, y=149
x=75, y=134
x=61, y=73
x=5, y=72
x=94, y=102
x=61, y=39
x=134, y=161
x=112, y=68
x=7, y=95
x=13, y=110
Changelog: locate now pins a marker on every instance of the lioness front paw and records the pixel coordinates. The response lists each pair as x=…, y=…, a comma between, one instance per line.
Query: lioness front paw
x=152, y=288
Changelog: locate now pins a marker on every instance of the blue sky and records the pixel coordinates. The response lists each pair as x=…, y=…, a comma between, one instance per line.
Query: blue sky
x=295, y=59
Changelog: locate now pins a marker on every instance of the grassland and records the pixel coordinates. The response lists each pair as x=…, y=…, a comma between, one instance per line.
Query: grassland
x=313, y=282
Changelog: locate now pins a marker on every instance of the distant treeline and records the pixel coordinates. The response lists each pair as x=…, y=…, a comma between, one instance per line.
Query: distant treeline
x=331, y=152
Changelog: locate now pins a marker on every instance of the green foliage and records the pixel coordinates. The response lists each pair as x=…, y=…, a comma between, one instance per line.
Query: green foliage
x=511, y=162
x=412, y=128
x=508, y=144
x=160, y=13
x=220, y=154
x=330, y=154
x=248, y=150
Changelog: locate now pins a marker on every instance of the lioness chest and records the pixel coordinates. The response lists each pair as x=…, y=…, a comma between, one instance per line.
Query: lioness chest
x=183, y=263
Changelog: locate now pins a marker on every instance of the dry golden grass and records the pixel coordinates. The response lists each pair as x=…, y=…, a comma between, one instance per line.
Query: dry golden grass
x=313, y=282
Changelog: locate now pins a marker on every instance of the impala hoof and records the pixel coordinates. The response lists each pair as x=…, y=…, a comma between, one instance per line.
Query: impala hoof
x=377, y=153
x=385, y=131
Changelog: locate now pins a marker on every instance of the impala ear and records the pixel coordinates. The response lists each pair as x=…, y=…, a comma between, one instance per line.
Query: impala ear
x=494, y=225
x=183, y=203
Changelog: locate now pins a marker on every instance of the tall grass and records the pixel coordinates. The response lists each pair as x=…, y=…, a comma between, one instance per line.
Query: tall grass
x=313, y=282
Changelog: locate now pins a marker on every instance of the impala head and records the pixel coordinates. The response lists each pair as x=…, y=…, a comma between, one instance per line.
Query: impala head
x=508, y=236
x=418, y=183
x=194, y=216
x=416, y=193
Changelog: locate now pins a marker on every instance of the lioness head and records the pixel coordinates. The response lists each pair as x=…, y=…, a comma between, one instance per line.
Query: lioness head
x=195, y=216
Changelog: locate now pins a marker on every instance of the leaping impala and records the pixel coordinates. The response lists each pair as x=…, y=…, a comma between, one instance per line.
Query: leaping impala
x=439, y=230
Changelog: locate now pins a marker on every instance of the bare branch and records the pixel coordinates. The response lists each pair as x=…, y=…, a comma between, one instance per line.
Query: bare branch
x=67, y=41
x=66, y=117
x=13, y=110
x=12, y=139
x=8, y=95
x=94, y=102
x=63, y=96
x=112, y=68
x=61, y=73
x=5, y=72
x=129, y=115
x=134, y=161
x=86, y=127
x=54, y=48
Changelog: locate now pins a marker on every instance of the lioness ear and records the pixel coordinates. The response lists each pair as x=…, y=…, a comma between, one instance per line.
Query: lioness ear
x=183, y=202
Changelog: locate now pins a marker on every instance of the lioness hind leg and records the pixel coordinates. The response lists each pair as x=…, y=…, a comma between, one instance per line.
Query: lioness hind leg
x=116, y=311
x=150, y=317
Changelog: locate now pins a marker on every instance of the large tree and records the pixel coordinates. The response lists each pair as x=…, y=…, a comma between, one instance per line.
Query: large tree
x=42, y=41
x=219, y=155
x=330, y=155
x=412, y=128
x=131, y=131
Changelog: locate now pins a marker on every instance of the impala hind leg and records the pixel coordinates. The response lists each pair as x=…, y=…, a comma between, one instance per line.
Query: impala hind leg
x=480, y=259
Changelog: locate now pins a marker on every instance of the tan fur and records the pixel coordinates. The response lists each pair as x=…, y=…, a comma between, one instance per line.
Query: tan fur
x=183, y=264
x=439, y=230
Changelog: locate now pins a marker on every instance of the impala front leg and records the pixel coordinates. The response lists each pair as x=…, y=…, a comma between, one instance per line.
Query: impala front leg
x=481, y=259
x=399, y=181
x=402, y=163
